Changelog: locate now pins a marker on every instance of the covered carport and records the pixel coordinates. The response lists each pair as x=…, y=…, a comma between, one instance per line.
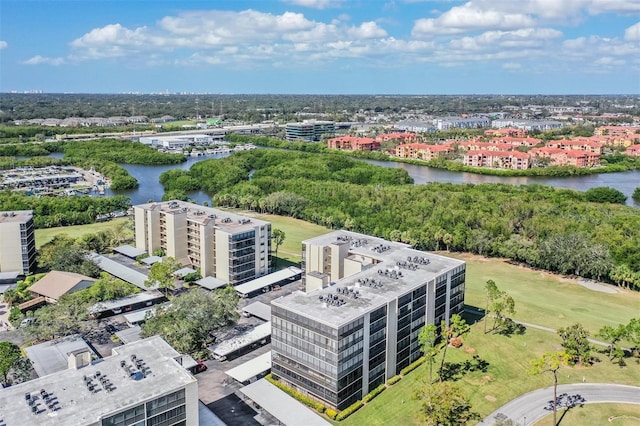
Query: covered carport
x=281, y=406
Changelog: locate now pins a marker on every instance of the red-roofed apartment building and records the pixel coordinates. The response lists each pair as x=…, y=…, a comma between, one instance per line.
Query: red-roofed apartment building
x=485, y=146
x=353, y=143
x=422, y=151
x=567, y=157
x=515, y=160
x=403, y=137
x=507, y=131
x=531, y=142
x=576, y=145
x=633, y=150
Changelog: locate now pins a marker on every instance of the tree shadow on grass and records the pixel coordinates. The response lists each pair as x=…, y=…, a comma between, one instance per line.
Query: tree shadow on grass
x=455, y=370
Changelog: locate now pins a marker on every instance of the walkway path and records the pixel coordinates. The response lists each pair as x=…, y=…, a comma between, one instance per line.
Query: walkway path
x=527, y=409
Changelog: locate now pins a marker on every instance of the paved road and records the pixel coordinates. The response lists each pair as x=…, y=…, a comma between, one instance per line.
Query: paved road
x=531, y=407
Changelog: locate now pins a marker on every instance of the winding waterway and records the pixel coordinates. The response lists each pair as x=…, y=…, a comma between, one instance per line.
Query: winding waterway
x=626, y=182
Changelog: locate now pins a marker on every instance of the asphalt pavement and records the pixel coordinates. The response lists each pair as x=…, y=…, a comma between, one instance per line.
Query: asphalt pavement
x=527, y=409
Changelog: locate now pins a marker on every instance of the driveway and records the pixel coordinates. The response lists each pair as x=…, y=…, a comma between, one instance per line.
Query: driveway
x=531, y=407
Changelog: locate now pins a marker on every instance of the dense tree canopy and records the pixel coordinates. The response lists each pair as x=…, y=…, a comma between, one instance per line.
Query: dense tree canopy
x=551, y=228
x=62, y=253
x=603, y=194
x=190, y=323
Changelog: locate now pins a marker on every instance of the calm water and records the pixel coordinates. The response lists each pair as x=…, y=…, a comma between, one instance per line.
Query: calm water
x=626, y=182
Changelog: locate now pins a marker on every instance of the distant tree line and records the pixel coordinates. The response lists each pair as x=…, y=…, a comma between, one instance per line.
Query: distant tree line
x=284, y=107
x=550, y=228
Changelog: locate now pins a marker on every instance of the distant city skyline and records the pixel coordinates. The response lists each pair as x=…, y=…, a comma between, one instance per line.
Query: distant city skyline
x=321, y=46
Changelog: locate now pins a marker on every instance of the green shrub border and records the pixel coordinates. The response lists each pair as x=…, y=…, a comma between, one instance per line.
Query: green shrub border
x=349, y=410
x=320, y=408
x=394, y=380
x=377, y=391
x=332, y=414
x=415, y=364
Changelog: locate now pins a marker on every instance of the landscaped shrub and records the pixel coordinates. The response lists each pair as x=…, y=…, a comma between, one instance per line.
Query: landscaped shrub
x=394, y=380
x=331, y=413
x=349, y=410
x=415, y=364
x=300, y=397
x=377, y=391
x=456, y=342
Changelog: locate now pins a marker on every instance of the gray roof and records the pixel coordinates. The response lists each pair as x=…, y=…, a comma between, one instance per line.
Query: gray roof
x=183, y=272
x=129, y=251
x=129, y=335
x=121, y=271
x=267, y=280
x=211, y=283
x=140, y=315
x=254, y=335
x=281, y=406
x=78, y=406
x=151, y=260
x=258, y=309
x=389, y=285
x=251, y=368
x=144, y=296
x=52, y=356
x=5, y=287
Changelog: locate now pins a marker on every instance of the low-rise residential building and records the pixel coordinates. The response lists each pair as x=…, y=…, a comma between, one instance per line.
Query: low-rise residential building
x=576, y=145
x=485, y=146
x=507, y=132
x=633, y=150
x=580, y=158
x=556, y=156
x=227, y=246
x=497, y=159
x=353, y=143
x=422, y=151
x=402, y=137
x=17, y=242
x=56, y=284
x=446, y=123
x=516, y=141
x=356, y=325
x=527, y=124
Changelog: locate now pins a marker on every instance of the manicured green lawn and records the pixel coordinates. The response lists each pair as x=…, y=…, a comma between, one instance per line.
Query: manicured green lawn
x=505, y=378
x=545, y=299
x=597, y=414
x=43, y=236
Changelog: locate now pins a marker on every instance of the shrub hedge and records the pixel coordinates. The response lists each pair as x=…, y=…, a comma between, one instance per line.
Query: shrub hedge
x=394, y=380
x=349, y=410
x=377, y=391
x=331, y=413
x=302, y=398
x=415, y=364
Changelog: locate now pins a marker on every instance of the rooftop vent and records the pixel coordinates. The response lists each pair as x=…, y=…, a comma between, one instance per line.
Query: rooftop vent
x=390, y=273
x=381, y=248
x=369, y=282
x=419, y=260
x=407, y=265
x=226, y=220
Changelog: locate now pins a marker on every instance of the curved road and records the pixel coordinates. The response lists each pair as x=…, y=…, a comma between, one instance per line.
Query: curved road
x=532, y=406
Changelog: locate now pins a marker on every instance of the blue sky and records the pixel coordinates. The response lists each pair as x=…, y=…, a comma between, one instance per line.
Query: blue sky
x=321, y=46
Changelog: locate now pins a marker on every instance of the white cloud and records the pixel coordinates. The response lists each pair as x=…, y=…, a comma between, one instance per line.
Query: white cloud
x=317, y=4
x=367, y=30
x=466, y=18
x=3, y=44
x=37, y=60
x=632, y=33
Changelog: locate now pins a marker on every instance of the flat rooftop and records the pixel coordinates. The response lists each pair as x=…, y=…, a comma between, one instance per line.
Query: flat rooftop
x=267, y=280
x=227, y=221
x=53, y=356
x=16, y=216
x=229, y=346
x=145, y=296
x=387, y=274
x=77, y=405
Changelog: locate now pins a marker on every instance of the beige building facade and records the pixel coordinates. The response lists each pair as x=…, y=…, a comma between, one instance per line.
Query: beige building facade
x=231, y=247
